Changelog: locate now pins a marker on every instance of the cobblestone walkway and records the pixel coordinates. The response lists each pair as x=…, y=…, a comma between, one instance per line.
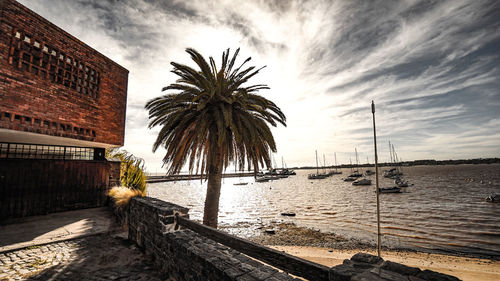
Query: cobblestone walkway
x=99, y=257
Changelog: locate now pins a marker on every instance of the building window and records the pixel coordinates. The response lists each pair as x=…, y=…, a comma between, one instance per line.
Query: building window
x=25, y=55
x=35, y=151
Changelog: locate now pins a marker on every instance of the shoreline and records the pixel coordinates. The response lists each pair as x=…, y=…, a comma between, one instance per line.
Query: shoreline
x=289, y=234
x=330, y=249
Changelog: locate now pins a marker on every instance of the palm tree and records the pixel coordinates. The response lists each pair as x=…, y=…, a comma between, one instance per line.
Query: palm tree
x=212, y=120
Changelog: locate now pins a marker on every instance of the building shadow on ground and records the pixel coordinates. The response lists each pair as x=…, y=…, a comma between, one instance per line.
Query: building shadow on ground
x=100, y=257
x=35, y=230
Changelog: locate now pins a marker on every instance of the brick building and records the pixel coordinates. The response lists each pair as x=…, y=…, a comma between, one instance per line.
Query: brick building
x=62, y=104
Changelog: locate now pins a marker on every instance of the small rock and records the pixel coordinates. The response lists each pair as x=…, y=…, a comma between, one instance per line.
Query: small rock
x=366, y=258
x=270, y=231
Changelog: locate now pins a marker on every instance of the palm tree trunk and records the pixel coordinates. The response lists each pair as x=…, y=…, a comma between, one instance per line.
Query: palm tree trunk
x=211, y=210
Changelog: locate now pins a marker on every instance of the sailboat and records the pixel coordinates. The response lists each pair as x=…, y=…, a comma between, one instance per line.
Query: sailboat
x=368, y=172
x=349, y=178
x=392, y=173
x=362, y=181
x=285, y=170
x=395, y=171
x=336, y=172
x=356, y=173
x=317, y=175
x=241, y=182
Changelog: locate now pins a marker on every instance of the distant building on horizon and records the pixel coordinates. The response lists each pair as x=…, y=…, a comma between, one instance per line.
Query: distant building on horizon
x=62, y=104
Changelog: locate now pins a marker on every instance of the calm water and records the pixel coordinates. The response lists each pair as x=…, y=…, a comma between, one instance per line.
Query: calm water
x=444, y=210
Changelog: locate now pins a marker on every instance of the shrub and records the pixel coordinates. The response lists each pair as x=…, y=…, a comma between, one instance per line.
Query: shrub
x=122, y=195
x=132, y=174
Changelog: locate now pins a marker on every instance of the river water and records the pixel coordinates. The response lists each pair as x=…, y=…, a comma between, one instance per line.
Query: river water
x=444, y=210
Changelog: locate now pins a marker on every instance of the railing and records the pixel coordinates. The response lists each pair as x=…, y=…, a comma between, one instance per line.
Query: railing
x=286, y=262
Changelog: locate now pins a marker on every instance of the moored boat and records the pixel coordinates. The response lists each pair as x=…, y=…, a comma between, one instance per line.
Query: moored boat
x=262, y=179
x=393, y=189
x=240, y=183
x=356, y=174
x=392, y=173
x=336, y=172
x=316, y=176
x=493, y=198
x=400, y=182
x=362, y=182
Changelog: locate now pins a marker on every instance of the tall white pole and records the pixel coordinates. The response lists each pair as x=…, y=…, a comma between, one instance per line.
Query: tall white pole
x=335, y=153
x=317, y=166
x=376, y=180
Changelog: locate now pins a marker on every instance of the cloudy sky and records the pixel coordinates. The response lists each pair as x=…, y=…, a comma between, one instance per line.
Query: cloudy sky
x=432, y=68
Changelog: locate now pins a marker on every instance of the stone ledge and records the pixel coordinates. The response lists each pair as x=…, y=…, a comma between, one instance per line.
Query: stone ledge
x=366, y=267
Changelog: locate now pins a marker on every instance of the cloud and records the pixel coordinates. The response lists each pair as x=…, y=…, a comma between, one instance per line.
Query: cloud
x=431, y=67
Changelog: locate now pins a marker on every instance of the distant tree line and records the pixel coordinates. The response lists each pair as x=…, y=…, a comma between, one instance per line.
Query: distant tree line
x=416, y=163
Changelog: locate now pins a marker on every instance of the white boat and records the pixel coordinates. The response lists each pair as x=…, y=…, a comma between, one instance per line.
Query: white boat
x=362, y=182
x=284, y=170
x=317, y=176
x=240, y=183
x=356, y=173
x=396, y=171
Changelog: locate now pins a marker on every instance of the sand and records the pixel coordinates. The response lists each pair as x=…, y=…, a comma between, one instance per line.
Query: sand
x=465, y=268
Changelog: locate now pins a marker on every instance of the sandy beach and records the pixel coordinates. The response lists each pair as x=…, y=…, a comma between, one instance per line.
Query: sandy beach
x=465, y=268
x=330, y=249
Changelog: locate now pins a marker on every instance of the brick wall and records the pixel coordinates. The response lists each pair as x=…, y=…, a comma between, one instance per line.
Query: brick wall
x=52, y=83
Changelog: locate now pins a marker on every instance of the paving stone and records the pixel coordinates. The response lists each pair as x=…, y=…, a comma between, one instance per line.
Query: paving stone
x=78, y=260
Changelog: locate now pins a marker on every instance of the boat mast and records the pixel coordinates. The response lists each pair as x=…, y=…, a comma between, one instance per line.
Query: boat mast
x=357, y=159
x=376, y=179
x=397, y=163
x=324, y=164
x=317, y=167
x=335, y=153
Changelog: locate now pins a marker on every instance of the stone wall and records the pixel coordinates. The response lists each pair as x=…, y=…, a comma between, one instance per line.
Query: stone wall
x=182, y=254
x=185, y=255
